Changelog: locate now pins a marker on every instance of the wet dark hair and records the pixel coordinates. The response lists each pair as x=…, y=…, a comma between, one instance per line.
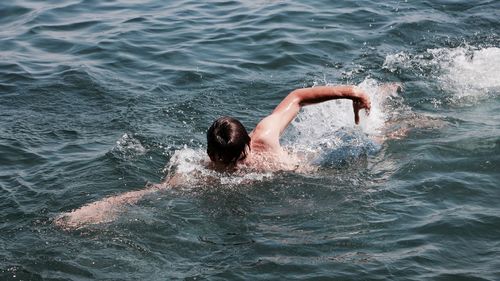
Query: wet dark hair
x=227, y=140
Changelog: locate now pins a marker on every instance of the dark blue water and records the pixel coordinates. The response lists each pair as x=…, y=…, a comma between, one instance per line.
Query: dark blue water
x=98, y=98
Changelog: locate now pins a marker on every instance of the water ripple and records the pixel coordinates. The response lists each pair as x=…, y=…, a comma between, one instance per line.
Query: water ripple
x=98, y=98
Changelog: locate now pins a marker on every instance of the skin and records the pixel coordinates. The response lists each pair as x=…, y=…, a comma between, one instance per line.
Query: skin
x=265, y=138
x=264, y=147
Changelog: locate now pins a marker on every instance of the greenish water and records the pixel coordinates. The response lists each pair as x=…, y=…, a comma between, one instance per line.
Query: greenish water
x=101, y=97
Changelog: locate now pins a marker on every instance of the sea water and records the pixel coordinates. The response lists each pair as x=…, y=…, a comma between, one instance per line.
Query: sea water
x=98, y=98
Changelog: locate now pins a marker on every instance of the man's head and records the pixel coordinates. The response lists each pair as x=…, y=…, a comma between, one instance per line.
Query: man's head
x=227, y=141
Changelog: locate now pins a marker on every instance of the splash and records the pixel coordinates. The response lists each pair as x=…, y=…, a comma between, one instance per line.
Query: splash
x=327, y=135
x=464, y=73
x=128, y=146
x=470, y=73
x=192, y=165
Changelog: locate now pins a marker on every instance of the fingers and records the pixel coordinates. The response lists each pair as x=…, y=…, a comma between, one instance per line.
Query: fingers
x=358, y=105
x=367, y=105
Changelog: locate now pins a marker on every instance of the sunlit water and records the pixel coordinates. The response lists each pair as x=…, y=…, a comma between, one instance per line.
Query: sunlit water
x=98, y=98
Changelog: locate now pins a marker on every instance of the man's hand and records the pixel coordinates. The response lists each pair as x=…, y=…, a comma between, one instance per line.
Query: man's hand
x=360, y=101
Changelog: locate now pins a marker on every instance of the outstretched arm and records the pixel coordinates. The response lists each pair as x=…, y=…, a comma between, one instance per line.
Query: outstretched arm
x=102, y=211
x=107, y=209
x=271, y=127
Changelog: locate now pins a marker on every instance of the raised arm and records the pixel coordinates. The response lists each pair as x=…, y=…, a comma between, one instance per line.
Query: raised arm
x=271, y=127
x=307, y=96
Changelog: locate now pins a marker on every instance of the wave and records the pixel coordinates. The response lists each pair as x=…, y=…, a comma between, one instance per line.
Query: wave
x=465, y=74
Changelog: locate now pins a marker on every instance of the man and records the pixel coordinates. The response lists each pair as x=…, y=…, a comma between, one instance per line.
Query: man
x=229, y=144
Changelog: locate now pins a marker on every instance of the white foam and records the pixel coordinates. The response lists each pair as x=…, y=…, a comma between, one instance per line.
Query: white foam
x=192, y=164
x=465, y=73
x=329, y=129
x=469, y=73
x=315, y=121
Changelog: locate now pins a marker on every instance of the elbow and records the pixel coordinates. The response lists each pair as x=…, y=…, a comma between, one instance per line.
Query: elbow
x=297, y=97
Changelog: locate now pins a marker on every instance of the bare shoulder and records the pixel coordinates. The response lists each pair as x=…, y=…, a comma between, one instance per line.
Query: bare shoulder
x=266, y=134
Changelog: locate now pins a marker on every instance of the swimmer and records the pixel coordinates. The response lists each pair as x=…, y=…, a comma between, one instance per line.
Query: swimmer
x=229, y=146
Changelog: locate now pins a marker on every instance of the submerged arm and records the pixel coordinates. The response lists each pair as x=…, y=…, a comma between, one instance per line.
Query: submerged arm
x=107, y=209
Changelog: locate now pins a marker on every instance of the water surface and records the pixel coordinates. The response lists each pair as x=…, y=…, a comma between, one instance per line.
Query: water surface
x=101, y=97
